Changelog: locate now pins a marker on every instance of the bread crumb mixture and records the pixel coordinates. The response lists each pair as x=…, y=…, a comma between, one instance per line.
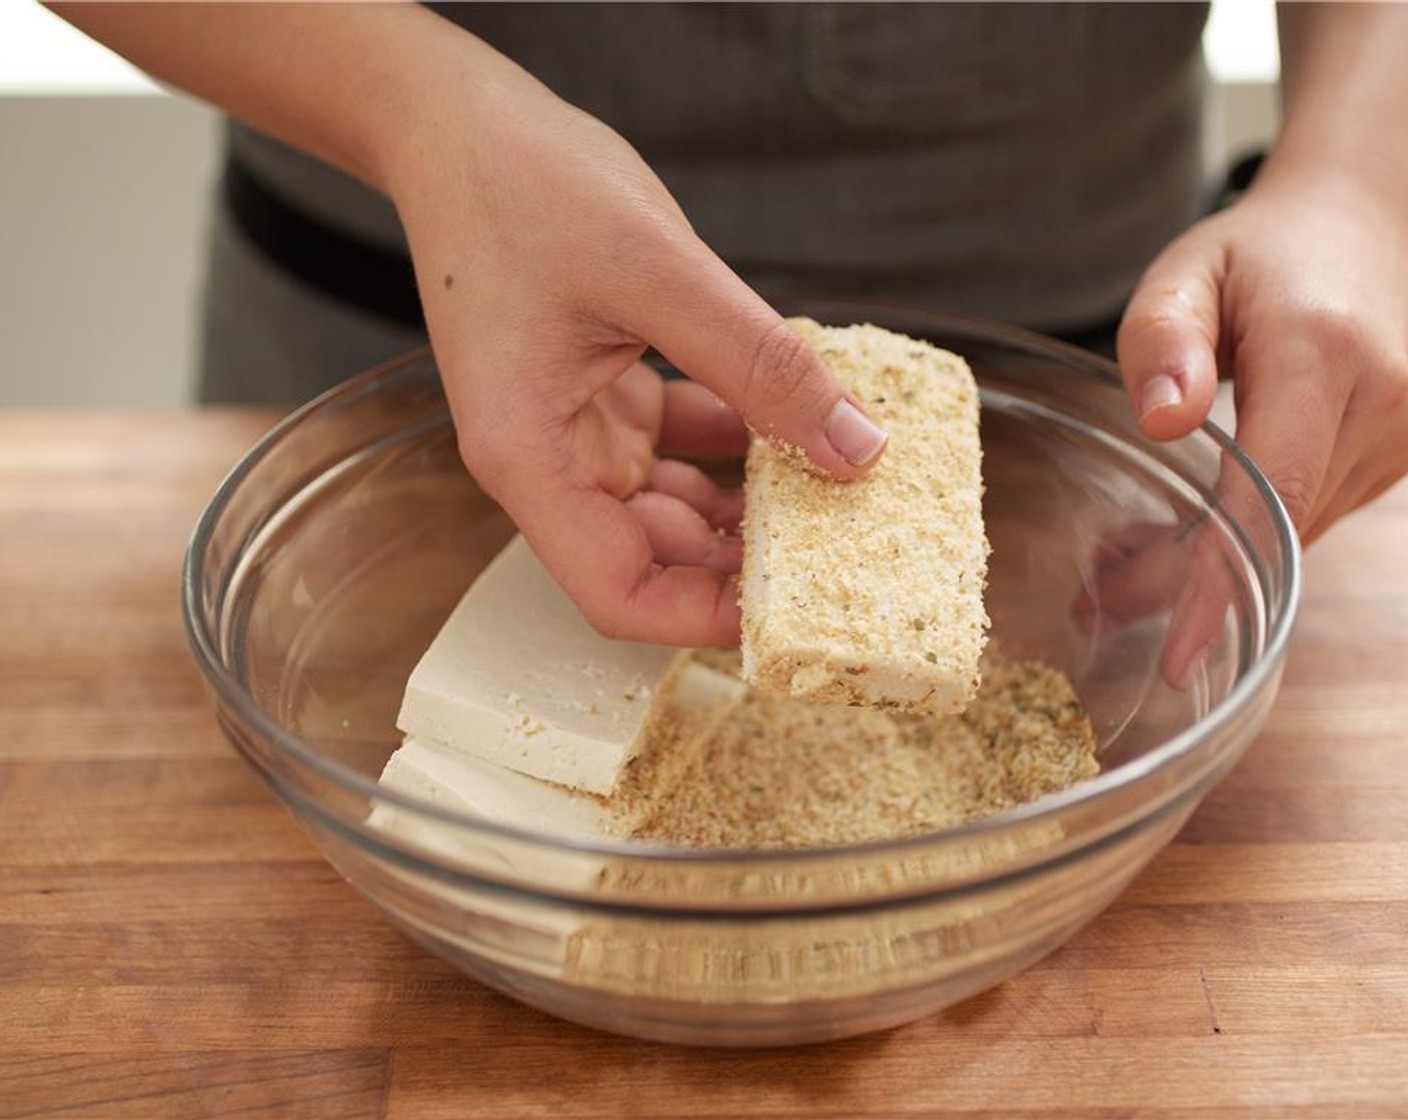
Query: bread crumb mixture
x=778, y=772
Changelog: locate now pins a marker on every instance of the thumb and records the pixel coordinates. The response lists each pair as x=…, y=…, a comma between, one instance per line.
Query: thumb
x=1167, y=342
x=715, y=328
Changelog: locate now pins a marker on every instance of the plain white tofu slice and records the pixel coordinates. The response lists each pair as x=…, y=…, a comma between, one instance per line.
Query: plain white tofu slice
x=452, y=779
x=518, y=678
x=697, y=700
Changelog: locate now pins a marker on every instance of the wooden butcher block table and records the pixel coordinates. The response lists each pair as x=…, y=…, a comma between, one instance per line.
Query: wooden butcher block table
x=171, y=945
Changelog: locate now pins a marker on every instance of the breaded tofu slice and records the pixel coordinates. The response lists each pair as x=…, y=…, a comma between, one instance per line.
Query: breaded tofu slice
x=870, y=592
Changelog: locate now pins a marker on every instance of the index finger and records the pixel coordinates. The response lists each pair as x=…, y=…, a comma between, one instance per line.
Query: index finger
x=1288, y=416
x=712, y=326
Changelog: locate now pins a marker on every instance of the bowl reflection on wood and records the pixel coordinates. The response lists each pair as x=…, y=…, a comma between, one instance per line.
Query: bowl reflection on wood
x=328, y=560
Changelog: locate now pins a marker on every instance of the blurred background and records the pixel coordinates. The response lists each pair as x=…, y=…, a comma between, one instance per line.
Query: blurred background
x=104, y=178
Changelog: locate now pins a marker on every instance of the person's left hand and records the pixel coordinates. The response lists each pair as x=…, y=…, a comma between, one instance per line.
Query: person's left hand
x=1299, y=294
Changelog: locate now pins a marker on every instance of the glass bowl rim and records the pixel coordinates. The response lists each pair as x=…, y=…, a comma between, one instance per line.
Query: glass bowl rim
x=1082, y=362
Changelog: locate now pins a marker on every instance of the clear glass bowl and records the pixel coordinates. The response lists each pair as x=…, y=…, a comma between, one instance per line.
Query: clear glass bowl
x=333, y=552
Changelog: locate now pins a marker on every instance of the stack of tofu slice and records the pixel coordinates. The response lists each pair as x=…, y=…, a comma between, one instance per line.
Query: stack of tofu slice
x=520, y=713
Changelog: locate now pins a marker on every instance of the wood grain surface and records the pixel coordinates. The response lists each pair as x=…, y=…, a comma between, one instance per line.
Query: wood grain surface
x=172, y=946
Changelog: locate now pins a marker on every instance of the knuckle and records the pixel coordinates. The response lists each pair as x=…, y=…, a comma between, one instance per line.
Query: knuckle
x=1171, y=308
x=647, y=251
x=1298, y=487
x=1335, y=329
x=1153, y=318
x=1394, y=389
x=782, y=372
x=634, y=251
x=605, y=621
x=1357, y=354
x=1342, y=341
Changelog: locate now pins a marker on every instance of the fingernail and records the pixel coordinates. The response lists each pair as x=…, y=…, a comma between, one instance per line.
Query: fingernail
x=854, y=435
x=1160, y=391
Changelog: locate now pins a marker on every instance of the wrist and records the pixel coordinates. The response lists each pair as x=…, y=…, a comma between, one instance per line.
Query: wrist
x=400, y=86
x=1344, y=101
x=1338, y=172
x=446, y=111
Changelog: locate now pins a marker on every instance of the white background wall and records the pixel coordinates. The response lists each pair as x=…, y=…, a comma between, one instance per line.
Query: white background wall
x=104, y=181
x=102, y=204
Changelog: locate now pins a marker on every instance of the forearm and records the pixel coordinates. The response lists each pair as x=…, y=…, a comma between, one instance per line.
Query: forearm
x=1344, y=95
x=345, y=83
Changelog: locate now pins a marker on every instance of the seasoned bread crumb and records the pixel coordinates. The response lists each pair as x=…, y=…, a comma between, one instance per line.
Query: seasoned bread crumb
x=870, y=592
x=777, y=772
x=700, y=698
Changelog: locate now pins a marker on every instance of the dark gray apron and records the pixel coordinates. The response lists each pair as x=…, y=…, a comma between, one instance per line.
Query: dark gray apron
x=1023, y=162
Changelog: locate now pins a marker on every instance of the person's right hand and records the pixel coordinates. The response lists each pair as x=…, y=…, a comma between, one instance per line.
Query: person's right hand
x=549, y=258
